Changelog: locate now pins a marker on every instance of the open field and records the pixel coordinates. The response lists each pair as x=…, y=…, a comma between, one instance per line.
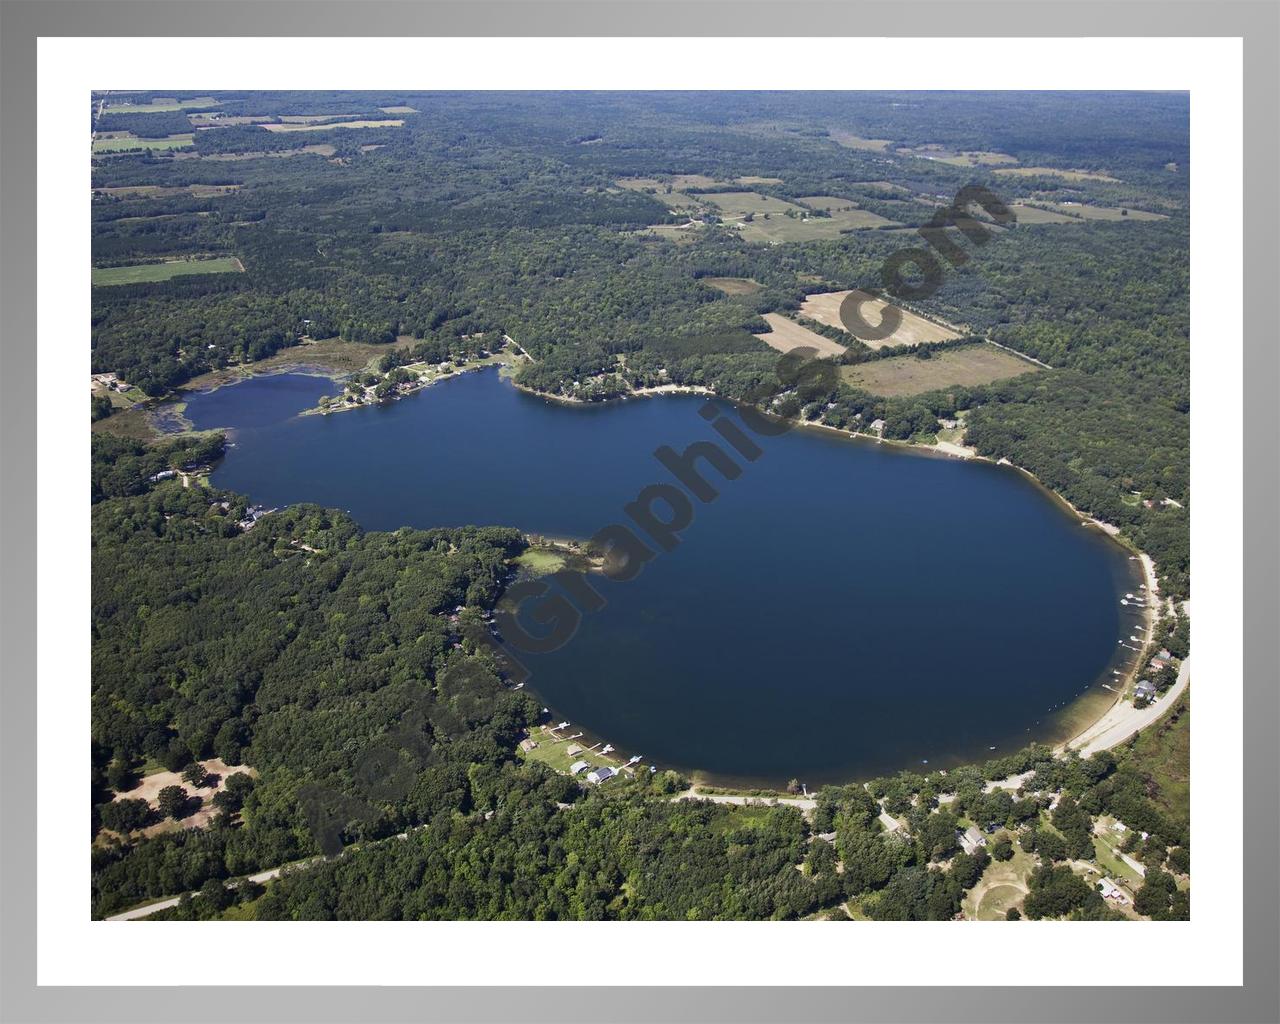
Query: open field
x=824, y=307
x=319, y=149
x=149, y=790
x=775, y=221
x=215, y=120
x=1002, y=885
x=160, y=106
x=294, y=127
x=752, y=179
x=152, y=191
x=140, y=272
x=398, y=110
x=120, y=144
x=676, y=181
x=671, y=232
x=739, y=204
x=1037, y=215
x=732, y=285
x=786, y=334
x=953, y=367
x=958, y=158
x=1086, y=212
x=310, y=118
x=828, y=203
x=851, y=141
x=1055, y=172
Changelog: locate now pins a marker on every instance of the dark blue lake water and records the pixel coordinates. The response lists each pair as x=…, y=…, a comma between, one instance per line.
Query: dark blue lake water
x=843, y=609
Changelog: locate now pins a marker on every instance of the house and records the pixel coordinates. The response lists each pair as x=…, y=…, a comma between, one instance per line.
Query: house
x=600, y=774
x=573, y=750
x=164, y=474
x=878, y=426
x=528, y=744
x=1111, y=891
x=578, y=766
x=1164, y=654
x=1158, y=663
x=971, y=839
x=1145, y=690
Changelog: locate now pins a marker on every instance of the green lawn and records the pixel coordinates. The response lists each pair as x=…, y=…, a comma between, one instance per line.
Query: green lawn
x=164, y=271
x=118, y=145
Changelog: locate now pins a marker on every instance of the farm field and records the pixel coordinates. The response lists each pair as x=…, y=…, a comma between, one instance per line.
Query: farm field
x=671, y=232
x=398, y=110
x=160, y=106
x=1055, y=172
x=324, y=149
x=828, y=203
x=953, y=367
x=1037, y=215
x=739, y=204
x=153, y=191
x=103, y=276
x=752, y=179
x=775, y=221
x=788, y=229
x=967, y=158
x=676, y=181
x=786, y=334
x=119, y=144
x=732, y=285
x=824, y=307
x=851, y=141
x=1083, y=211
x=328, y=125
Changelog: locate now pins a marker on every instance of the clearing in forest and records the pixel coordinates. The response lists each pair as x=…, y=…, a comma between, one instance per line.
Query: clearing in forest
x=1055, y=172
x=119, y=143
x=952, y=367
x=733, y=285
x=145, y=272
x=760, y=218
x=786, y=334
x=851, y=141
x=327, y=125
x=825, y=309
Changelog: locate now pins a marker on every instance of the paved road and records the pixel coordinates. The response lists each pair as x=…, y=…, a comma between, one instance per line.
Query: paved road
x=151, y=908
x=804, y=803
x=1123, y=720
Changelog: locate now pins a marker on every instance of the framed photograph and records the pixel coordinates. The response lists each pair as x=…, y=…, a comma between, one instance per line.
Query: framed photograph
x=688, y=510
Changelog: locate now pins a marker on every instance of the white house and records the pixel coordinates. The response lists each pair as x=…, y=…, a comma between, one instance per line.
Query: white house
x=578, y=766
x=600, y=774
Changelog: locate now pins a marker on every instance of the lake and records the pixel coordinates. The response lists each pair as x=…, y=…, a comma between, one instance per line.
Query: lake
x=843, y=609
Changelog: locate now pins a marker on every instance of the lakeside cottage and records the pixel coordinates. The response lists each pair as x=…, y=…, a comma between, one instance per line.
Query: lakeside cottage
x=971, y=839
x=577, y=767
x=1145, y=690
x=601, y=774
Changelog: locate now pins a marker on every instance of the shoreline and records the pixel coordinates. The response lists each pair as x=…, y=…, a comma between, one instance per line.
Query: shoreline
x=1115, y=710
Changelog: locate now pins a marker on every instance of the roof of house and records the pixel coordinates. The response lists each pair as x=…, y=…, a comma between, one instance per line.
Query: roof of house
x=578, y=766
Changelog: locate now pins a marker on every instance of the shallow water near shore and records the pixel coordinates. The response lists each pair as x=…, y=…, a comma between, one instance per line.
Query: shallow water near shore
x=842, y=609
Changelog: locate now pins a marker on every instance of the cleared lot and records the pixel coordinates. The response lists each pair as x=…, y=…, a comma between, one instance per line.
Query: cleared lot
x=786, y=335
x=164, y=271
x=824, y=307
x=953, y=367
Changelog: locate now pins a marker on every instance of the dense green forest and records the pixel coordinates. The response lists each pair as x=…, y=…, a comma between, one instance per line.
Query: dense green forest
x=299, y=646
